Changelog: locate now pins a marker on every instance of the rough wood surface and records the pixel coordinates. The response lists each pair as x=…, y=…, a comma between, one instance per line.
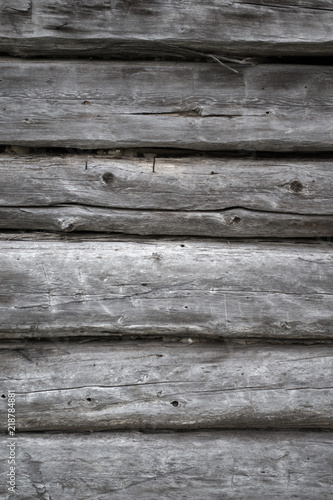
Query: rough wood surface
x=200, y=465
x=230, y=223
x=190, y=196
x=281, y=185
x=157, y=287
x=245, y=27
x=283, y=198
x=95, y=104
x=68, y=386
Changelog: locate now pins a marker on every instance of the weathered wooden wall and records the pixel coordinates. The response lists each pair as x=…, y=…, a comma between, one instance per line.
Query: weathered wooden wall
x=183, y=357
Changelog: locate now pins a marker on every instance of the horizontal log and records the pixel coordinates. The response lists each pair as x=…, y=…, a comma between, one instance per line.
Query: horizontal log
x=157, y=287
x=188, y=196
x=214, y=465
x=179, y=105
x=68, y=386
x=280, y=185
x=245, y=27
x=230, y=223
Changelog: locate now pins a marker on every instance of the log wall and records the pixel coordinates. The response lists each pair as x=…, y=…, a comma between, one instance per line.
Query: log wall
x=166, y=265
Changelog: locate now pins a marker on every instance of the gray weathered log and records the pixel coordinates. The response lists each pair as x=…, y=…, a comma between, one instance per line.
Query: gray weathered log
x=68, y=386
x=95, y=104
x=194, y=466
x=229, y=223
x=189, y=196
x=156, y=287
x=62, y=27
x=281, y=185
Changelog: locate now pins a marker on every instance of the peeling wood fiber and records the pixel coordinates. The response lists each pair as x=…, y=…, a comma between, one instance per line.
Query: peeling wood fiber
x=156, y=27
x=68, y=386
x=95, y=104
x=157, y=287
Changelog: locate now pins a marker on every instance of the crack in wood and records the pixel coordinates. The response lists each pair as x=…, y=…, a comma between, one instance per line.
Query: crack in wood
x=116, y=209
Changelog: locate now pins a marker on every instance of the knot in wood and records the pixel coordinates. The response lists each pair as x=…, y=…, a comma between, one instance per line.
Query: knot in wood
x=67, y=226
x=108, y=178
x=296, y=186
x=234, y=220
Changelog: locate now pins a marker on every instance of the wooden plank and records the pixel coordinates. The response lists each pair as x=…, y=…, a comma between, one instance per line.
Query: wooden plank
x=179, y=105
x=230, y=223
x=245, y=27
x=68, y=386
x=161, y=287
x=279, y=185
x=214, y=465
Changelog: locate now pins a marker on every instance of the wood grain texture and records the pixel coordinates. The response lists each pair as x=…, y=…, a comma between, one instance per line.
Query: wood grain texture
x=68, y=386
x=95, y=104
x=155, y=27
x=186, y=197
x=214, y=465
x=156, y=287
x=230, y=223
x=281, y=185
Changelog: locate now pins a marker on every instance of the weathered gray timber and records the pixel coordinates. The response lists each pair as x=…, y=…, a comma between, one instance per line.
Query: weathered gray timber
x=95, y=104
x=197, y=465
x=230, y=223
x=245, y=27
x=279, y=185
x=157, y=287
x=68, y=386
x=190, y=196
